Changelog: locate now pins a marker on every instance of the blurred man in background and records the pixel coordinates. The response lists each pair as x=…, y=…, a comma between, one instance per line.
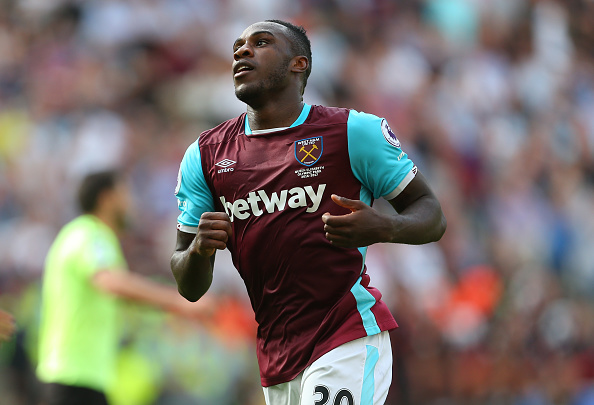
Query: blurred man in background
x=85, y=278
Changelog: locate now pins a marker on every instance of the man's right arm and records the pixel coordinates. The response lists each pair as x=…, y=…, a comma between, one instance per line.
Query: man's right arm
x=193, y=260
x=7, y=326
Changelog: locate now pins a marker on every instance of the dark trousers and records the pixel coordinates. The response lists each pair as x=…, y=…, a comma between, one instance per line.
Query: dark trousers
x=60, y=394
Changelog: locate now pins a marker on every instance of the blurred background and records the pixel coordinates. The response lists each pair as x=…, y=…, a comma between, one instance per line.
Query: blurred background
x=493, y=100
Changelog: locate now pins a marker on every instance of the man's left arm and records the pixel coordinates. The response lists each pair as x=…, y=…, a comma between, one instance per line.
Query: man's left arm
x=418, y=219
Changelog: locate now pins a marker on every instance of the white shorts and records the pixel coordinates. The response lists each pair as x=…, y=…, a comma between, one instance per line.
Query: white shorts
x=356, y=373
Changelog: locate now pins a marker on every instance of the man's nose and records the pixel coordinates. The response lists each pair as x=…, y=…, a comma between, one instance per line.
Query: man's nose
x=242, y=52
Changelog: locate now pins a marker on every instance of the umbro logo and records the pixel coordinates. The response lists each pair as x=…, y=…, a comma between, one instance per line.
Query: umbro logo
x=226, y=165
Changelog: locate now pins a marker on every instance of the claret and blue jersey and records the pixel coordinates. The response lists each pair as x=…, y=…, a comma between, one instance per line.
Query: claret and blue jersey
x=308, y=295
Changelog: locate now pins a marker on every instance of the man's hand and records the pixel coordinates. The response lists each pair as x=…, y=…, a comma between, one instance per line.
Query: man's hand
x=214, y=230
x=362, y=227
x=7, y=326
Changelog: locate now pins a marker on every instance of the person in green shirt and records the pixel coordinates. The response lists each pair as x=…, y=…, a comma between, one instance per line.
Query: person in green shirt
x=84, y=281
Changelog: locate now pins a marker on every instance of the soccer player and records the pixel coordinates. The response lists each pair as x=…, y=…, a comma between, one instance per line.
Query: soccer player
x=85, y=275
x=288, y=188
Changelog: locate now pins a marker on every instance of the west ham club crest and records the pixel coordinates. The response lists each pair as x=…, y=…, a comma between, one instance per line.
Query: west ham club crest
x=309, y=151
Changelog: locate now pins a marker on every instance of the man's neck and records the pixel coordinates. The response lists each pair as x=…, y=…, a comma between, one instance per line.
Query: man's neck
x=107, y=219
x=274, y=115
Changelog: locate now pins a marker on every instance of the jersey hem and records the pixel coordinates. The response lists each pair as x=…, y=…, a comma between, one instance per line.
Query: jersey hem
x=407, y=179
x=321, y=350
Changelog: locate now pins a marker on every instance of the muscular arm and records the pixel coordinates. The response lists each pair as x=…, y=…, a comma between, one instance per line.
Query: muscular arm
x=418, y=219
x=192, y=272
x=7, y=326
x=136, y=288
x=193, y=259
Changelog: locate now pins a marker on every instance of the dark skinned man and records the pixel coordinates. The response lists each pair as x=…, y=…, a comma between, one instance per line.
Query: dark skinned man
x=287, y=188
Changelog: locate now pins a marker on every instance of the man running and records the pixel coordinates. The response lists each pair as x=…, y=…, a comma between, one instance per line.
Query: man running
x=287, y=188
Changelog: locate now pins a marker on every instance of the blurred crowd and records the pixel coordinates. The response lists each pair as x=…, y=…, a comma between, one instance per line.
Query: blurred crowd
x=493, y=100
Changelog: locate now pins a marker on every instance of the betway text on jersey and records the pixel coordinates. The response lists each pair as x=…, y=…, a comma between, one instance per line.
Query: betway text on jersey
x=258, y=202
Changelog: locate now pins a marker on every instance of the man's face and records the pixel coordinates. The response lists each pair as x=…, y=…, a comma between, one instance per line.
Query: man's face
x=262, y=57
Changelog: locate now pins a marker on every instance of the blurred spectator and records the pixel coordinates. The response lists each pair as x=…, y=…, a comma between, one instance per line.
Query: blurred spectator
x=84, y=281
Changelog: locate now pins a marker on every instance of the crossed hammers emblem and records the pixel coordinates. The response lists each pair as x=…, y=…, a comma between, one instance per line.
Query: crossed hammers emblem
x=308, y=153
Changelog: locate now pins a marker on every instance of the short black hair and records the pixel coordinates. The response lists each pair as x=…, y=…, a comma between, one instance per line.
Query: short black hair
x=301, y=45
x=93, y=185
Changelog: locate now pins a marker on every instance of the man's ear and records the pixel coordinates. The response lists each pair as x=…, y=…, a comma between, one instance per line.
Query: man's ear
x=299, y=64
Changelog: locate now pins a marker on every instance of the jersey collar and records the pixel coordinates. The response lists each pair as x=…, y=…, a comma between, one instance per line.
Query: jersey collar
x=300, y=120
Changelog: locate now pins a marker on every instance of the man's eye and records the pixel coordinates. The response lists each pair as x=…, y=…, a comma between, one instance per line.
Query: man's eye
x=261, y=42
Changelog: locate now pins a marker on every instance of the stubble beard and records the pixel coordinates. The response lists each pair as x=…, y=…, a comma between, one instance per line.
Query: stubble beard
x=251, y=93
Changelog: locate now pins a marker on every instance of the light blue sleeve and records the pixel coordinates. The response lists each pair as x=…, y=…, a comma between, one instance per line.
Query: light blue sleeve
x=193, y=195
x=377, y=160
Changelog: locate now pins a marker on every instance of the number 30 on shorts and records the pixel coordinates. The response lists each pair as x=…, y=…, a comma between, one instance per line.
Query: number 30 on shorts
x=342, y=397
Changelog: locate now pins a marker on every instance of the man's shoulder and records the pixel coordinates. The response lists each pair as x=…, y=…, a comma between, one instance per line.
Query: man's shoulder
x=85, y=228
x=328, y=115
x=224, y=131
x=72, y=238
x=81, y=224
